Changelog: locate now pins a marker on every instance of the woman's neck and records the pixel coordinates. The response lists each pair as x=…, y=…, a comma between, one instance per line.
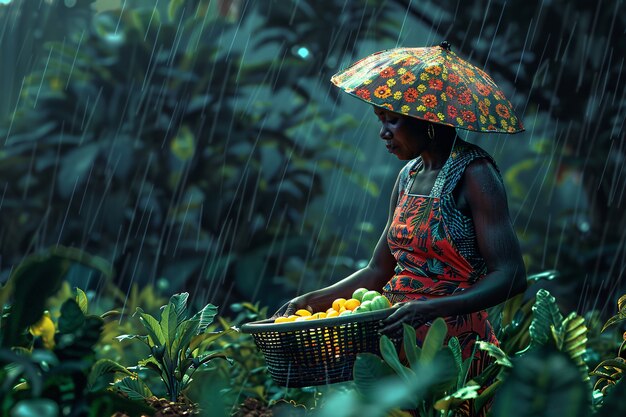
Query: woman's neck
x=437, y=153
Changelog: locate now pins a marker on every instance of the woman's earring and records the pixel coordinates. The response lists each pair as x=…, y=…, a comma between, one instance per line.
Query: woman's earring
x=431, y=131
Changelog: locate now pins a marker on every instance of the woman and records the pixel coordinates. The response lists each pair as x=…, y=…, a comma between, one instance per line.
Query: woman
x=448, y=248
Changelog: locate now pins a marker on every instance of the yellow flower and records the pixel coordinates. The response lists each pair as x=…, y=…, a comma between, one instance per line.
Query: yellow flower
x=367, y=82
x=441, y=116
x=401, y=71
x=444, y=76
x=483, y=119
x=45, y=329
x=421, y=108
x=444, y=97
x=487, y=101
x=397, y=95
x=513, y=120
x=405, y=108
x=492, y=119
x=391, y=82
x=421, y=88
x=475, y=97
x=503, y=123
x=424, y=76
x=459, y=121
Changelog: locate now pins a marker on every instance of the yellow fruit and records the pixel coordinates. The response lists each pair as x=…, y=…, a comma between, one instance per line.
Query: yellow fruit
x=342, y=309
x=293, y=317
x=282, y=320
x=45, y=329
x=303, y=313
x=330, y=310
x=338, y=303
x=302, y=318
x=351, y=304
x=333, y=313
x=317, y=316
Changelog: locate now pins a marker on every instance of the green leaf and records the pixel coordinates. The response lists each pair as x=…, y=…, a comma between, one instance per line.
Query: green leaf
x=614, y=404
x=186, y=331
x=545, y=314
x=389, y=354
x=72, y=317
x=134, y=388
x=81, y=300
x=105, y=366
x=180, y=304
x=495, y=352
x=411, y=350
x=205, y=316
x=572, y=339
x=168, y=324
x=151, y=363
x=433, y=342
x=543, y=382
x=452, y=401
x=368, y=371
x=153, y=328
x=457, y=353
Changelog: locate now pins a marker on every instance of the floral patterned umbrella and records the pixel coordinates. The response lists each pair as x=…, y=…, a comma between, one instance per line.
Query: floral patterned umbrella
x=431, y=83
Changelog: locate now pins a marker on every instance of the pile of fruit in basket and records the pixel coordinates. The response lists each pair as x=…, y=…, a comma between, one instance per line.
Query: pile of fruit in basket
x=362, y=301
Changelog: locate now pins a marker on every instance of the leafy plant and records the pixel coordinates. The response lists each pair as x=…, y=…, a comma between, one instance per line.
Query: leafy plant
x=174, y=341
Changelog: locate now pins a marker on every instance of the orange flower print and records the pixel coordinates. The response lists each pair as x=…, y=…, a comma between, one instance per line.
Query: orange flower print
x=511, y=129
x=433, y=69
x=499, y=95
x=502, y=111
x=387, y=106
x=435, y=84
x=431, y=117
x=382, y=92
x=363, y=93
x=410, y=95
x=465, y=98
x=483, y=108
x=483, y=89
x=491, y=127
x=429, y=100
x=450, y=92
x=452, y=111
x=387, y=72
x=453, y=78
x=411, y=60
x=468, y=116
x=407, y=78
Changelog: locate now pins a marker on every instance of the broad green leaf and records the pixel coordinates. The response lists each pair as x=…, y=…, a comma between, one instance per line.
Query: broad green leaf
x=72, y=318
x=213, y=355
x=411, y=350
x=151, y=363
x=81, y=300
x=433, y=342
x=186, y=331
x=452, y=401
x=168, y=324
x=572, y=339
x=152, y=327
x=389, y=354
x=105, y=366
x=543, y=382
x=205, y=316
x=134, y=388
x=457, y=353
x=368, y=371
x=180, y=304
x=545, y=314
x=141, y=337
x=495, y=352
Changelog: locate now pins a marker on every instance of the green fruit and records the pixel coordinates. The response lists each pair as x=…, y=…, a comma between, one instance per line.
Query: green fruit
x=345, y=313
x=358, y=294
x=379, y=303
x=358, y=310
x=366, y=306
x=368, y=296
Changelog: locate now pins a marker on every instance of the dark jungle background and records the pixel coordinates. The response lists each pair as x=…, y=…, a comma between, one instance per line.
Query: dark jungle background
x=153, y=148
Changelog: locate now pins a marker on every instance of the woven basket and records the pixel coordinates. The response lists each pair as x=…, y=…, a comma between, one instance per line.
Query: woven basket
x=316, y=352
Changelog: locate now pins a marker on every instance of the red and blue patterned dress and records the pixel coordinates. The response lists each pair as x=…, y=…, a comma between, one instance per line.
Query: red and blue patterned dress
x=436, y=249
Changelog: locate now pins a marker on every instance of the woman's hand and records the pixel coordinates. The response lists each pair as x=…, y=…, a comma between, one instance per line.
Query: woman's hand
x=291, y=306
x=413, y=313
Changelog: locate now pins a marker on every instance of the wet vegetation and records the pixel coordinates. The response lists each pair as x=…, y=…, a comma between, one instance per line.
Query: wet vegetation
x=170, y=170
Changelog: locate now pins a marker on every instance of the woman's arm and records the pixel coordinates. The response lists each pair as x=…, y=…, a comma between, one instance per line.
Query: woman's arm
x=374, y=276
x=498, y=244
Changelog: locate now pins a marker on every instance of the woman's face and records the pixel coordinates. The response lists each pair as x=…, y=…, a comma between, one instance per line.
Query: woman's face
x=405, y=136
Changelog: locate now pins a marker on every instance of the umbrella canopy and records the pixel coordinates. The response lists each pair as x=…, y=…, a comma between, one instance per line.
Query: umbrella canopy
x=431, y=83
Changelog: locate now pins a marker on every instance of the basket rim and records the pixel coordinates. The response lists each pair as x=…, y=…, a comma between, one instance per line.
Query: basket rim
x=269, y=325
